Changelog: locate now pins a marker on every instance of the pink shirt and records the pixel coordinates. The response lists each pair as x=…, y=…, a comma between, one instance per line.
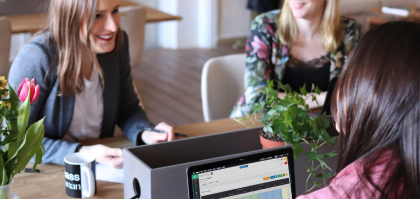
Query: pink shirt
x=347, y=182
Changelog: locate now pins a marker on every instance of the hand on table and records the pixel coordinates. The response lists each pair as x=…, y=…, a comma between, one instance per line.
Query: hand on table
x=150, y=137
x=110, y=156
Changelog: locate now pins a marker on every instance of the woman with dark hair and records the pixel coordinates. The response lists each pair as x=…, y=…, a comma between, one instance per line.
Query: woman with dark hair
x=376, y=107
x=81, y=63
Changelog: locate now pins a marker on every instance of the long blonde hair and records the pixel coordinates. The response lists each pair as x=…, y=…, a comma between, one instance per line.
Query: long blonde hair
x=331, y=30
x=64, y=21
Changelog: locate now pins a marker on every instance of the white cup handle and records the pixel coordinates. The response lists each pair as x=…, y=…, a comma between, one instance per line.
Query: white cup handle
x=91, y=182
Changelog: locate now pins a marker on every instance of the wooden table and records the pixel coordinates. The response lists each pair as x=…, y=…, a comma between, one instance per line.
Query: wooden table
x=50, y=182
x=32, y=23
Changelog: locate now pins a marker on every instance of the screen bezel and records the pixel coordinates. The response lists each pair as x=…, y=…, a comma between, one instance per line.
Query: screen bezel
x=245, y=160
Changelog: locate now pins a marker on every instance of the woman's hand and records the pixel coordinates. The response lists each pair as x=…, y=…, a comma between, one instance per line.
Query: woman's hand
x=150, y=137
x=110, y=156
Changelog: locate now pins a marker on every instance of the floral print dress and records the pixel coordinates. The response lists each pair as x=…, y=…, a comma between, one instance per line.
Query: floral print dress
x=266, y=58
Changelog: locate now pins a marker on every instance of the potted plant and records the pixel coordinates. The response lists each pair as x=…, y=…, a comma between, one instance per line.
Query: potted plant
x=286, y=121
x=18, y=144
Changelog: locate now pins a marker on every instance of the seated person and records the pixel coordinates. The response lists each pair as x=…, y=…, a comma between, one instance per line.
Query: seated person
x=81, y=63
x=304, y=43
x=376, y=107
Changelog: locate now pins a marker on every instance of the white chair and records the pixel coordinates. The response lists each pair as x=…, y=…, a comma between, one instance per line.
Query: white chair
x=222, y=84
x=5, y=35
x=133, y=20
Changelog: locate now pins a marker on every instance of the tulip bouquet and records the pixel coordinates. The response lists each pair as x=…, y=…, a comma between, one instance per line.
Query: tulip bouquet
x=19, y=143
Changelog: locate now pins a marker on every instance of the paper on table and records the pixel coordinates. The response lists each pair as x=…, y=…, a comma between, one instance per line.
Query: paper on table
x=107, y=173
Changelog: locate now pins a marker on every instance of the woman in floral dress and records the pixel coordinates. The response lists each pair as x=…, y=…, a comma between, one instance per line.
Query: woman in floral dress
x=306, y=42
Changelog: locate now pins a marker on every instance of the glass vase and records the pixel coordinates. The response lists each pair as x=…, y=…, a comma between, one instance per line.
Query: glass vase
x=6, y=192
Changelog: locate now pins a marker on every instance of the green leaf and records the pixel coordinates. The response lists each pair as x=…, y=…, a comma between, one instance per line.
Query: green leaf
x=325, y=165
x=322, y=120
x=268, y=129
x=14, y=100
x=314, y=99
x=330, y=154
x=30, y=145
x=286, y=88
x=313, y=155
x=38, y=157
x=331, y=139
x=317, y=90
x=10, y=166
x=23, y=117
x=303, y=89
x=270, y=84
x=297, y=149
x=3, y=175
x=323, y=176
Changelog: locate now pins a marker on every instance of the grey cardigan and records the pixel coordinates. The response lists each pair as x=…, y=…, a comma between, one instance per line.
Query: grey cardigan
x=38, y=59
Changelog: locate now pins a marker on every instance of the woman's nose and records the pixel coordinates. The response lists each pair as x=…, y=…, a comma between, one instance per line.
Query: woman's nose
x=112, y=24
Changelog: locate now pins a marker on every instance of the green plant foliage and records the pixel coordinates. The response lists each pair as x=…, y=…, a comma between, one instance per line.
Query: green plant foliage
x=18, y=144
x=288, y=119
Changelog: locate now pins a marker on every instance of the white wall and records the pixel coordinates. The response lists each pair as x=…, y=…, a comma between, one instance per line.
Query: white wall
x=179, y=34
x=208, y=18
x=150, y=33
x=167, y=32
x=234, y=19
x=203, y=23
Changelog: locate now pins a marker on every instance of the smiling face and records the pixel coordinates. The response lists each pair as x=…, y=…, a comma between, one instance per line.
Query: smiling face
x=105, y=27
x=307, y=9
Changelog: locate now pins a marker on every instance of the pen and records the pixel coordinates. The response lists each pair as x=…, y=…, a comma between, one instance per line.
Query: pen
x=30, y=170
x=160, y=131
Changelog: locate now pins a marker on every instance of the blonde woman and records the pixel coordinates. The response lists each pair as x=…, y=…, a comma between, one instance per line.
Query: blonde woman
x=306, y=42
x=81, y=63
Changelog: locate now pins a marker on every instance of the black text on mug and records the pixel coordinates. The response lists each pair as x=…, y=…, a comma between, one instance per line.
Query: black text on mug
x=80, y=174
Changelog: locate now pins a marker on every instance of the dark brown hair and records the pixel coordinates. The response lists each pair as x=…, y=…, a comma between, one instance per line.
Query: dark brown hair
x=376, y=104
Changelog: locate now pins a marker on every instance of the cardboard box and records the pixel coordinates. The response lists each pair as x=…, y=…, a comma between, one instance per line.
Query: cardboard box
x=161, y=168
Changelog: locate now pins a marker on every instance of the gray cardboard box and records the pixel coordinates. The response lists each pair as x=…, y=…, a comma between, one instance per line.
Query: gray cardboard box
x=161, y=168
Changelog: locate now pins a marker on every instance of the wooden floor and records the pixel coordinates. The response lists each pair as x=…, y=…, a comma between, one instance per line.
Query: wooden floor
x=169, y=83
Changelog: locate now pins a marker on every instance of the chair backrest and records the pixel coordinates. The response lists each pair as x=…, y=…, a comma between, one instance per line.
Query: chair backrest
x=5, y=36
x=133, y=20
x=222, y=84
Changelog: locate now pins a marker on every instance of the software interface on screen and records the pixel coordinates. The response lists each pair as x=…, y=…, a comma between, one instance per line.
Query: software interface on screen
x=267, y=178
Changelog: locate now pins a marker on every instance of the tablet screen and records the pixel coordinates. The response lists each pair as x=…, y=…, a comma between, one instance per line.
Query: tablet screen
x=259, y=176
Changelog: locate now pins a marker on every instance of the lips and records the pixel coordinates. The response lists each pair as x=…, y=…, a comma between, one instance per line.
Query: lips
x=107, y=37
x=297, y=5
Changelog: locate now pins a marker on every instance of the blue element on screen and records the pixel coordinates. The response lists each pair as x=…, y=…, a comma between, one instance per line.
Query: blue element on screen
x=275, y=194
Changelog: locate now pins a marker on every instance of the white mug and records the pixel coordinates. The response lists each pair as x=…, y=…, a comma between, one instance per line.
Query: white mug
x=80, y=173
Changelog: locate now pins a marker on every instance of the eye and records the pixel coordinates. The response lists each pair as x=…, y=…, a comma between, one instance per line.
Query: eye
x=116, y=10
x=98, y=16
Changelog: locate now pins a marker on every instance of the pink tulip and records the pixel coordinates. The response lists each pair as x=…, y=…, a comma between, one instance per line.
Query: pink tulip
x=24, y=87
